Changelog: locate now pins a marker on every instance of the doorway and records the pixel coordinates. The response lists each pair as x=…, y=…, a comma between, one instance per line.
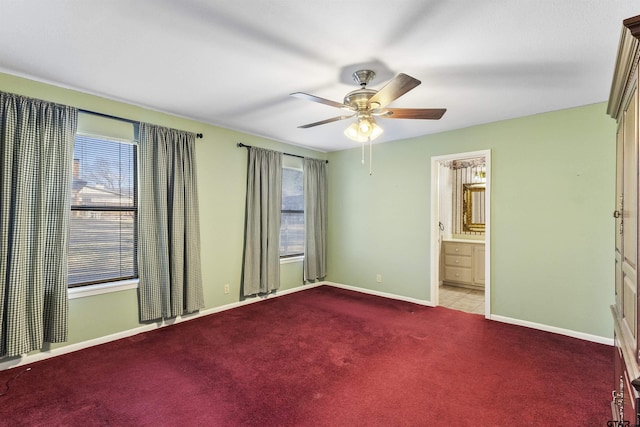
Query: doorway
x=461, y=231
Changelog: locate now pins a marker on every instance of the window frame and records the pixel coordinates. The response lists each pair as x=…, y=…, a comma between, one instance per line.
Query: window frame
x=298, y=255
x=95, y=287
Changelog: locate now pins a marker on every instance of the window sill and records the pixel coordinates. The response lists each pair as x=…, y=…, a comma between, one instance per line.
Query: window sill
x=101, y=288
x=292, y=259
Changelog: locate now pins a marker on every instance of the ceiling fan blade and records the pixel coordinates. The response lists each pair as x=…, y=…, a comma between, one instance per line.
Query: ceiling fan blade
x=324, y=122
x=413, y=113
x=314, y=98
x=393, y=90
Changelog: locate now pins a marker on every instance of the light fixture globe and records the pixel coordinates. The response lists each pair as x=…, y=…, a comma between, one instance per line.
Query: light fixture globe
x=376, y=131
x=364, y=129
x=352, y=133
x=364, y=126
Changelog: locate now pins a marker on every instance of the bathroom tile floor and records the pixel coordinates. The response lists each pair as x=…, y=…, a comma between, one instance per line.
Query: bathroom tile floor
x=462, y=299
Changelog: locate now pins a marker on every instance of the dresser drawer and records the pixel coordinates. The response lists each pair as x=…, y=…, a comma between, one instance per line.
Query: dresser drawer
x=457, y=261
x=452, y=248
x=456, y=274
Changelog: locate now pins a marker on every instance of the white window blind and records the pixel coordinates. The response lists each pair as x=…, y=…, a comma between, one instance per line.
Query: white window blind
x=292, y=221
x=103, y=238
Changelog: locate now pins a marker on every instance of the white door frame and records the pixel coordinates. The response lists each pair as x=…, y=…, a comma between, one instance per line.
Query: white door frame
x=435, y=229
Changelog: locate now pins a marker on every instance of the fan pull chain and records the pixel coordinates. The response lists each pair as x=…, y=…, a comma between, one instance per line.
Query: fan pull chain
x=363, y=152
x=370, y=156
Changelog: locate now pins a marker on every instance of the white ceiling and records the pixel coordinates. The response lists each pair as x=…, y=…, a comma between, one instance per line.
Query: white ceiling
x=234, y=63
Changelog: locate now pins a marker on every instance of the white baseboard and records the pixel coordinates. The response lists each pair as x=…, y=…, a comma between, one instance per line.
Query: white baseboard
x=503, y=319
x=553, y=329
x=380, y=294
x=24, y=360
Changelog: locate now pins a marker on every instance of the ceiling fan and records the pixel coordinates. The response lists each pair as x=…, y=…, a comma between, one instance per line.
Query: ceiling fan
x=366, y=104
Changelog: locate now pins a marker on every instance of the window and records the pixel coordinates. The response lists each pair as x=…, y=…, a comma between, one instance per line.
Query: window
x=292, y=222
x=102, y=240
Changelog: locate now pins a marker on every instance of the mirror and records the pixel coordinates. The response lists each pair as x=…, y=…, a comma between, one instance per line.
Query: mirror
x=473, y=207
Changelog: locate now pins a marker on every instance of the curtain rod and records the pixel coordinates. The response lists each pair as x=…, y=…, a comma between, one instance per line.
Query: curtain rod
x=108, y=116
x=241, y=145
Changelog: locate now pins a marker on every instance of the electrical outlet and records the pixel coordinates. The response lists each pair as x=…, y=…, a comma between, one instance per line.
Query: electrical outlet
x=226, y=288
x=379, y=278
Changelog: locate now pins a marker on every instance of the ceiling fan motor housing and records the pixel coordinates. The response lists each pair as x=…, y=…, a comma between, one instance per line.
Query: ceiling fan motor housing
x=359, y=99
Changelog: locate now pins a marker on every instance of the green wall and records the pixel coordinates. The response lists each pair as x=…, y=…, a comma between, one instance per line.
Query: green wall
x=552, y=231
x=221, y=168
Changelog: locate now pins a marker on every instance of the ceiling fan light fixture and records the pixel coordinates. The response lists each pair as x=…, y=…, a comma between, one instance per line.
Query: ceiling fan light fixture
x=363, y=129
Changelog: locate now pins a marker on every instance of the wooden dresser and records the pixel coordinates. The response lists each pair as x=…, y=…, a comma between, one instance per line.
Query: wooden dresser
x=623, y=107
x=463, y=263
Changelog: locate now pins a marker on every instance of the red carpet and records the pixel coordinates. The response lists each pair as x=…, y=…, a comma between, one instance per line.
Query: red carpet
x=321, y=357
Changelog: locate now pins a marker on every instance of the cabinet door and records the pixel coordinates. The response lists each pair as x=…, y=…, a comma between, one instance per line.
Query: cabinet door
x=626, y=242
x=618, y=214
x=478, y=264
x=627, y=410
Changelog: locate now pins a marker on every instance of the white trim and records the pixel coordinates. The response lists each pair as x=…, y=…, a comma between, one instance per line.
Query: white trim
x=553, y=329
x=435, y=230
x=106, y=137
x=293, y=162
x=380, y=294
x=487, y=236
x=254, y=300
x=102, y=288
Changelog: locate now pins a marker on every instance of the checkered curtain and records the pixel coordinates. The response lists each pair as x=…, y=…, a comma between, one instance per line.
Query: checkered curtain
x=36, y=153
x=261, y=267
x=315, y=219
x=169, y=226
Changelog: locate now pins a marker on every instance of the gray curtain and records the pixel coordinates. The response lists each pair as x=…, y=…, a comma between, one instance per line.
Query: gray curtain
x=36, y=153
x=169, y=226
x=315, y=219
x=261, y=271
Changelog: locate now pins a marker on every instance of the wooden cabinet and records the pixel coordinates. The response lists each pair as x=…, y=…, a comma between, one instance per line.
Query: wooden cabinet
x=463, y=264
x=623, y=106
